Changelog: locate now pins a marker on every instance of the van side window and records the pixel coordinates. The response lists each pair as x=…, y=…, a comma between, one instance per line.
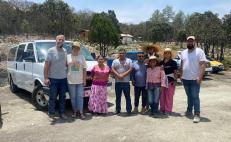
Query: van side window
x=12, y=52
x=30, y=50
x=20, y=51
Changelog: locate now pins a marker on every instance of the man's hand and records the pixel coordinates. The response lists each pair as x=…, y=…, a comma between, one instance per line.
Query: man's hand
x=199, y=79
x=47, y=82
x=133, y=82
x=84, y=82
x=120, y=76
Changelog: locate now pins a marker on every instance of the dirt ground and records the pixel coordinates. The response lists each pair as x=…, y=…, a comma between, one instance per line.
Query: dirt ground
x=23, y=123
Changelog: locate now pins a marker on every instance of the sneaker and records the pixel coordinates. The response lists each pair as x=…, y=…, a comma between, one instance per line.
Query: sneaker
x=64, y=116
x=196, y=119
x=74, y=115
x=82, y=116
x=135, y=110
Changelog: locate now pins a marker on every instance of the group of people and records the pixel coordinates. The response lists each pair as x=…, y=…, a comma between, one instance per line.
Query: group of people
x=153, y=78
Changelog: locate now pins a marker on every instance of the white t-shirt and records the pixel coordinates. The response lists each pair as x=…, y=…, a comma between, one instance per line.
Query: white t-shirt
x=191, y=63
x=75, y=64
x=121, y=66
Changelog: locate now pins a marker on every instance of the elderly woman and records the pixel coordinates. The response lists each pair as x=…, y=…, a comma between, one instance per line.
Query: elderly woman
x=170, y=69
x=76, y=78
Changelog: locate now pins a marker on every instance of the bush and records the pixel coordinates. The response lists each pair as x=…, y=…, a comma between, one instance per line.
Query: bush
x=227, y=62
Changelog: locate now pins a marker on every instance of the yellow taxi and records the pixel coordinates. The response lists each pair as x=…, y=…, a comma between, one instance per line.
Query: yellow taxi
x=216, y=65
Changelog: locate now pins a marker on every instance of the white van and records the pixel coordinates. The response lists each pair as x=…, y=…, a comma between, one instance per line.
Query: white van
x=25, y=65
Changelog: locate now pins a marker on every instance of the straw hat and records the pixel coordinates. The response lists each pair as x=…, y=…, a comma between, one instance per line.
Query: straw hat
x=173, y=53
x=154, y=46
x=76, y=44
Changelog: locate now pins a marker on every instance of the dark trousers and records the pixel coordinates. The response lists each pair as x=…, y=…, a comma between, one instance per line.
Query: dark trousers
x=138, y=91
x=57, y=87
x=125, y=88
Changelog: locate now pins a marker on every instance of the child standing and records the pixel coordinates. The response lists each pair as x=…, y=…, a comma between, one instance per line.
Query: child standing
x=155, y=82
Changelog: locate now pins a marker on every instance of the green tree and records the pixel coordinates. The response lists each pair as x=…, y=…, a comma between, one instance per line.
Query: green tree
x=181, y=37
x=158, y=17
x=168, y=14
x=115, y=21
x=178, y=23
x=103, y=32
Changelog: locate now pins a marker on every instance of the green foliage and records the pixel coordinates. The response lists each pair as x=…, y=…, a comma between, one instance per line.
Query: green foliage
x=103, y=32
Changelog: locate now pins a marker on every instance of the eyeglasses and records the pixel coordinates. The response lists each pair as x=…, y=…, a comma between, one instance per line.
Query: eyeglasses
x=140, y=56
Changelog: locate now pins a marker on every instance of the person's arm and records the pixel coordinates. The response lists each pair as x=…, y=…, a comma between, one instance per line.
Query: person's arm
x=201, y=72
x=46, y=70
x=114, y=71
x=84, y=76
x=84, y=72
x=181, y=69
x=133, y=76
x=128, y=71
x=175, y=71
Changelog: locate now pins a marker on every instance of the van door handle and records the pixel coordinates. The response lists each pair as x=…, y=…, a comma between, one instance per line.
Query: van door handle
x=16, y=66
x=24, y=66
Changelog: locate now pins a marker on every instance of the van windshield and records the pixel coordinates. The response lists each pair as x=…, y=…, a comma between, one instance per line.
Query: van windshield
x=42, y=48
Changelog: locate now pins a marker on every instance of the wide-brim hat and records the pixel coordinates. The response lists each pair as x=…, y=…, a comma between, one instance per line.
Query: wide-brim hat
x=152, y=58
x=154, y=46
x=76, y=44
x=173, y=53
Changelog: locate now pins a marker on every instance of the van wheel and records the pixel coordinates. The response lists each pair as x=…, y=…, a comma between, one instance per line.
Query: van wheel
x=13, y=87
x=38, y=98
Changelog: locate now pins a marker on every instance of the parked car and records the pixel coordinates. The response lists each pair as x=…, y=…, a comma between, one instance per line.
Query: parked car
x=216, y=65
x=25, y=69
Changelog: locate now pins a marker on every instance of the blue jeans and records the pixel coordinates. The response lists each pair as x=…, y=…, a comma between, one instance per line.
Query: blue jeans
x=76, y=92
x=125, y=87
x=154, y=98
x=192, y=89
x=57, y=87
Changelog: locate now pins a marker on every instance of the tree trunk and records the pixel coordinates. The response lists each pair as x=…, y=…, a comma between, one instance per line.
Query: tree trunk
x=222, y=52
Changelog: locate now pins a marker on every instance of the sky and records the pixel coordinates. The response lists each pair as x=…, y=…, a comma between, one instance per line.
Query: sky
x=136, y=11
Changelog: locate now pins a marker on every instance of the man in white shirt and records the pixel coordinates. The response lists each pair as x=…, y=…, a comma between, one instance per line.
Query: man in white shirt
x=192, y=71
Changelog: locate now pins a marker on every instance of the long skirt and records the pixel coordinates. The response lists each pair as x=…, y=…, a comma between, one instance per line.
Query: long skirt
x=166, y=98
x=98, y=99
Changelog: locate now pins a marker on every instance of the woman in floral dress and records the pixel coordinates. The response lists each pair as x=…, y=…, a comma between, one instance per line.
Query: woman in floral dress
x=98, y=97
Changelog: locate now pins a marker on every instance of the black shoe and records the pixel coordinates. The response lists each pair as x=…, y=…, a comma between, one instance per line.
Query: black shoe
x=129, y=113
x=188, y=114
x=116, y=112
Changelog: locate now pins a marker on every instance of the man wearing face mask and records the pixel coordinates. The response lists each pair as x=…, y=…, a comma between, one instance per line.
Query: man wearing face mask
x=192, y=71
x=55, y=76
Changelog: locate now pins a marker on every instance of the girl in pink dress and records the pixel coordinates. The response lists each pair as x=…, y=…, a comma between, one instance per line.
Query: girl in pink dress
x=98, y=97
